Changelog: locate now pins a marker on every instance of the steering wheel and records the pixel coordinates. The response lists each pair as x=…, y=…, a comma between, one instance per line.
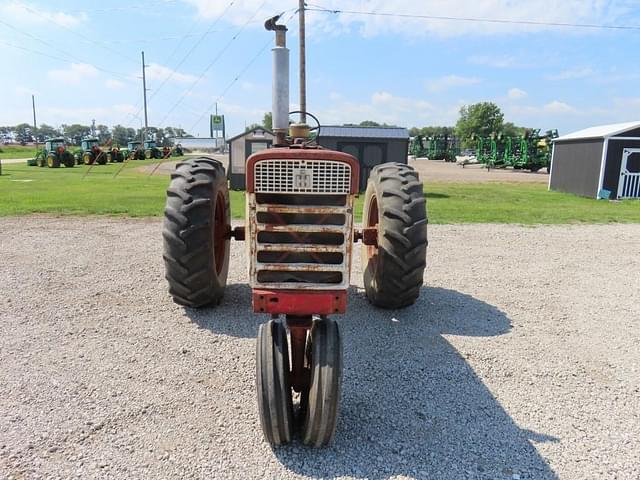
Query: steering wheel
x=316, y=128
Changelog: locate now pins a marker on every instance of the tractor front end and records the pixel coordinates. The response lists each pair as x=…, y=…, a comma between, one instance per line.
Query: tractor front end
x=300, y=229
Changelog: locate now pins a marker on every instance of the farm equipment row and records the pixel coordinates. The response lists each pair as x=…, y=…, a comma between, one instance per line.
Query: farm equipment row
x=437, y=147
x=55, y=153
x=531, y=151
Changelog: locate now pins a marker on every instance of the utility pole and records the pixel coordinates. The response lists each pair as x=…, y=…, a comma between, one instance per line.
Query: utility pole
x=93, y=127
x=144, y=91
x=35, y=126
x=303, y=66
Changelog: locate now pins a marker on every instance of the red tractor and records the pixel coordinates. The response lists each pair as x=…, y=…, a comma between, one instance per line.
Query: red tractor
x=300, y=229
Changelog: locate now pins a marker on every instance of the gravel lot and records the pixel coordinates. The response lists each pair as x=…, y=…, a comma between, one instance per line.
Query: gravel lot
x=520, y=360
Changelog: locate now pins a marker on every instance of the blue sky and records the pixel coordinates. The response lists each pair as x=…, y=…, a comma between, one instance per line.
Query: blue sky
x=82, y=61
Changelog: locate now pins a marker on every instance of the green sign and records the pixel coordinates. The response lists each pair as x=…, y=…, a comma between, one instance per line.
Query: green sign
x=217, y=123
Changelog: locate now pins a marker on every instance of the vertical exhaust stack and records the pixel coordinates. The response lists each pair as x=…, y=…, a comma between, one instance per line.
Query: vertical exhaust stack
x=280, y=92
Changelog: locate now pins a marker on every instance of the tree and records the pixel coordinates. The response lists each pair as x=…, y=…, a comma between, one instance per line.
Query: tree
x=482, y=119
x=45, y=131
x=252, y=126
x=511, y=130
x=103, y=133
x=76, y=132
x=370, y=123
x=122, y=135
x=267, y=121
x=23, y=132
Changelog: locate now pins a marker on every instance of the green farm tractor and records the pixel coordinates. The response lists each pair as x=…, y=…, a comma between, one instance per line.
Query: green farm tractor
x=114, y=154
x=177, y=151
x=53, y=155
x=90, y=152
x=134, y=151
x=151, y=150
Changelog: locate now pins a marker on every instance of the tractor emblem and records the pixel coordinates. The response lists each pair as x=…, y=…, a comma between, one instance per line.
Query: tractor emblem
x=302, y=179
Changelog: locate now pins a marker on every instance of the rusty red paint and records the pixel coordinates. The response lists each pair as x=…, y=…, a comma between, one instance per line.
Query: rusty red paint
x=299, y=302
x=300, y=376
x=302, y=154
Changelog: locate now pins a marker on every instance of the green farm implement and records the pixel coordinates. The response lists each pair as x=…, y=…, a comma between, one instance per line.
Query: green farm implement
x=53, y=155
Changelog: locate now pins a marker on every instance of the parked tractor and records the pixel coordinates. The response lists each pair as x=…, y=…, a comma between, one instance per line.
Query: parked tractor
x=115, y=155
x=53, y=155
x=151, y=150
x=177, y=151
x=300, y=203
x=90, y=152
x=134, y=151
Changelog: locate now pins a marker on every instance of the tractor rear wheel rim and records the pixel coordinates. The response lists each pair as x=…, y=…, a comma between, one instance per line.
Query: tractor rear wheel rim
x=219, y=232
x=372, y=220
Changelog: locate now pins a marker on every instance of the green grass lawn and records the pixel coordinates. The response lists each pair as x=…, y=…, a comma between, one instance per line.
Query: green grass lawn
x=17, y=151
x=26, y=190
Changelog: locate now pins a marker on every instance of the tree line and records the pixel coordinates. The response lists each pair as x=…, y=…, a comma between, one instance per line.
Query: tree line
x=74, y=133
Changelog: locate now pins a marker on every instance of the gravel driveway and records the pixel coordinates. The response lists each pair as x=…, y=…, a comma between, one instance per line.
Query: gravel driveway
x=520, y=360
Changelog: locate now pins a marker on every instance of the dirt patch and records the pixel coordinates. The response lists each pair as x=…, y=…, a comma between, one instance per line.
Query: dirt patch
x=437, y=171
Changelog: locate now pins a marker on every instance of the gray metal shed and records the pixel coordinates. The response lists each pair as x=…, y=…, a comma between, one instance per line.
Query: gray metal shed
x=598, y=162
x=240, y=148
x=370, y=145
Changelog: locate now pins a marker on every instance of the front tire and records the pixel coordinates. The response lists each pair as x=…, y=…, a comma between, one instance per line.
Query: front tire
x=395, y=203
x=275, y=403
x=195, y=232
x=321, y=404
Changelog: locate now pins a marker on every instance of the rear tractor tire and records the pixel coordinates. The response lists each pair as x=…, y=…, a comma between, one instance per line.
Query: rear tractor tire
x=53, y=161
x=195, y=232
x=395, y=203
x=68, y=160
x=101, y=159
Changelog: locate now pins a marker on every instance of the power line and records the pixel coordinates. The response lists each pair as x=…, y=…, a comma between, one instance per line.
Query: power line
x=70, y=57
x=228, y=87
x=237, y=77
x=191, y=50
x=478, y=20
x=88, y=39
x=211, y=64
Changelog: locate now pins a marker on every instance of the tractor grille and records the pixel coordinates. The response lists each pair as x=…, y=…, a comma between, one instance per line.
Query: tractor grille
x=302, y=176
x=301, y=235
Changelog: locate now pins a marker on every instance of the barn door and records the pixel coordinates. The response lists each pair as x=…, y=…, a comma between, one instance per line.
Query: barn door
x=629, y=184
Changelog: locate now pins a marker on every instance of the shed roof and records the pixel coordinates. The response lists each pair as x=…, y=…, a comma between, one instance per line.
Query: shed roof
x=602, y=131
x=248, y=132
x=364, y=132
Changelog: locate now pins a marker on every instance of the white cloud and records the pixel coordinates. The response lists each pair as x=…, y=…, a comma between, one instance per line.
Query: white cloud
x=516, y=94
x=162, y=73
x=568, y=11
x=75, y=74
x=572, y=74
x=113, y=84
x=16, y=12
x=496, y=61
x=451, y=81
x=558, y=107
x=384, y=107
x=22, y=91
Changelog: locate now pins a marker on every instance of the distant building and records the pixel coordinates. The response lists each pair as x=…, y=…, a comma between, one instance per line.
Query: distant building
x=240, y=148
x=598, y=162
x=199, y=143
x=370, y=145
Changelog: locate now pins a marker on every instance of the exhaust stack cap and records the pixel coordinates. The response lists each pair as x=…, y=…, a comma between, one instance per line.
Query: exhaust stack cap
x=280, y=88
